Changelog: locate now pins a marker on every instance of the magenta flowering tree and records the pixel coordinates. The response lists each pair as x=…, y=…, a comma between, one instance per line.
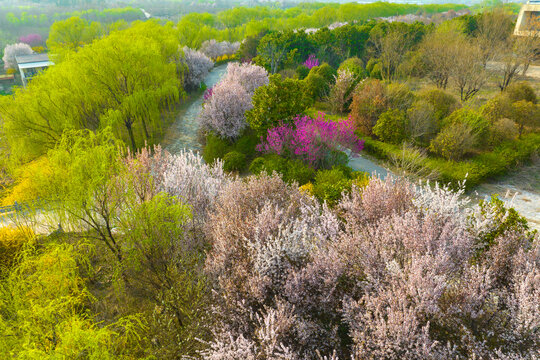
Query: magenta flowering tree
x=311, y=62
x=31, y=39
x=316, y=142
x=208, y=94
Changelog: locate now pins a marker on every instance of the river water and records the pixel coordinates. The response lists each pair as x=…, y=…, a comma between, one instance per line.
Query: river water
x=521, y=189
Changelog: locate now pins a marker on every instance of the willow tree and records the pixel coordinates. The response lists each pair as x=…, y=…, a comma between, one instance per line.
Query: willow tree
x=133, y=79
x=123, y=80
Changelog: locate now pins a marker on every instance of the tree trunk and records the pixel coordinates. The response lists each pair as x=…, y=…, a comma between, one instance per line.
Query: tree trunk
x=131, y=136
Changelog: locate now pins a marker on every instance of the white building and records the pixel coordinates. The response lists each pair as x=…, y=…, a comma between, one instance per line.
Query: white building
x=31, y=65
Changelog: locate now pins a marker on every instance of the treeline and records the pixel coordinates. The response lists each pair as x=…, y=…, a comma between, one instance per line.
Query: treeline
x=238, y=23
x=33, y=18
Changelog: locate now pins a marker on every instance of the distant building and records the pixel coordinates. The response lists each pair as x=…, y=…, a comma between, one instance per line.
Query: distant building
x=528, y=22
x=31, y=65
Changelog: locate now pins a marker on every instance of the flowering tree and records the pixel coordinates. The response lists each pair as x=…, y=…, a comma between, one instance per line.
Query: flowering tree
x=248, y=75
x=311, y=62
x=198, y=66
x=10, y=51
x=208, y=94
x=314, y=141
x=341, y=93
x=401, y=272
x=224, y=111
x=214, y=49
x=31, y=39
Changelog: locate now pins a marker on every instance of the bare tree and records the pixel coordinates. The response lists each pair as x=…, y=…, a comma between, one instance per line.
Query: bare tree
x=439, y=50
x=494, y=28
x=468, y=72
x=391, y=47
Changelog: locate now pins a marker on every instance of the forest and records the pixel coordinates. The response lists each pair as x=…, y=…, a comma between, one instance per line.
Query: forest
x=259, y=234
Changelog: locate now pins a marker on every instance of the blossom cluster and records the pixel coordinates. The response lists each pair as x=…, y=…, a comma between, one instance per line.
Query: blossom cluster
x=214, y=49
x=226, y=103
x=311, y=62
x=31, y=39
x=314, y=141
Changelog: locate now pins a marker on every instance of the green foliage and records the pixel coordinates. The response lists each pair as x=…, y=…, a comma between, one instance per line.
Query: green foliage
x=316, y=86
x=507, y=219
x=454, y=141
x=215, y=148
x=521, y=91
x=302, y=71
x=479, y=126
x=12, y=242
x=329, y=185
x=42, y=303
x=279, y=101
x=124, y=80
x=373, y=67
x=70, y=34
x=391, y=126
x=526, y=114
x=443, y=102
x=290, y=170
x=246, y=144
x=399, y=96
x=497, y=108
x=234, y=161
x=354, y=65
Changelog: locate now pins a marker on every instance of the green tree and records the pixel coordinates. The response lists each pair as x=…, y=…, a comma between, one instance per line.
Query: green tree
x=391, y=126
x=279, y=101
x=526, y=113
x=70, y=34
x=274, y=48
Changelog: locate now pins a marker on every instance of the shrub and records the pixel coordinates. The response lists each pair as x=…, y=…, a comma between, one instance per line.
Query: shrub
x=502, y=130
x=422, y=123
x=234, y=161
x=354, y=65
x=326, y=71
x=391, y=126
x=298, y=172
x=215, y=148
x=497, y=108
x=369, y=102
x=12, y=242
x=302, y=71
x=454, y=141
x=443, y=102
x=521, y=91
x=399, y=96
x=526, y=114
x=479, y=126
x=329, y=185
x=246, y=144
x=316, y=86
x=314, y=141
x=373, y=67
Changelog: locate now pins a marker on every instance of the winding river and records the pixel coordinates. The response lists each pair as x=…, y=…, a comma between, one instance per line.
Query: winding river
x=521, y=189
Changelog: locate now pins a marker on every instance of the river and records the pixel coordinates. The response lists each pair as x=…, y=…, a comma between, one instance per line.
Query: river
x=520, y=189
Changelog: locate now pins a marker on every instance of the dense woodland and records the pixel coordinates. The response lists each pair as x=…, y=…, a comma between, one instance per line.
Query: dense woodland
x=268, y=244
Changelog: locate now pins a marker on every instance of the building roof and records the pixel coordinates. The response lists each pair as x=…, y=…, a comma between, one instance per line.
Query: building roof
x=33, y=61
x=25, y=59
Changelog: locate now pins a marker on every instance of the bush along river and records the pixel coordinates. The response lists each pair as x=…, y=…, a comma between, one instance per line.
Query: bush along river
x=521, y=190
